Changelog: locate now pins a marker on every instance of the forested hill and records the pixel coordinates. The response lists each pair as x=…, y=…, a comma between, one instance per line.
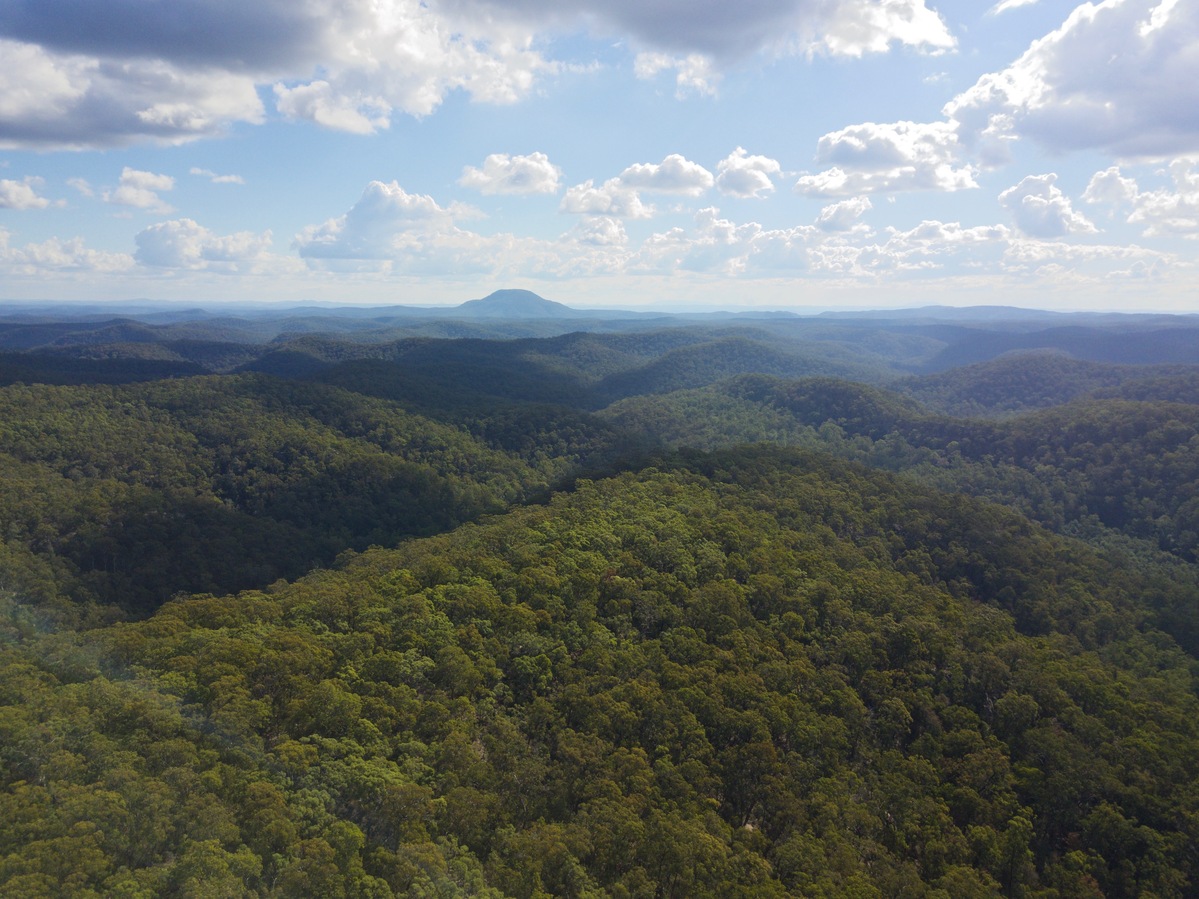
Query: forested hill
x=1130, y=466
x=127, y=495
x=329, y=604
x=755, y=674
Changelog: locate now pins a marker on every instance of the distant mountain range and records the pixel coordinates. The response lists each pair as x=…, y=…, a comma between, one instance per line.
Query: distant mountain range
x=899, y=341
x=524, y=305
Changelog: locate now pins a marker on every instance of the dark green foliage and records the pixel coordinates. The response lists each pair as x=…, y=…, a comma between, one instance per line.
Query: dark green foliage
x=725, y=671
x=758, y=674
x=1133, y=466
x=1143, y=344
x=704, y=363
x=1033, y=380
x=214, y=484
x=47, y=368
x=1176, y=387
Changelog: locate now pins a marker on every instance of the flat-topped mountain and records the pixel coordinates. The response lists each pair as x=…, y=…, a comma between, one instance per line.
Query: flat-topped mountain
x=514, y=304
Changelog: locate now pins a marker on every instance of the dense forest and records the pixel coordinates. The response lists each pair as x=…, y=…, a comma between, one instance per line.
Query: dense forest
x=533, y=605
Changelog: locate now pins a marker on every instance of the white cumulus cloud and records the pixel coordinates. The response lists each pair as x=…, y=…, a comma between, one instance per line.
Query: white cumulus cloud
x=21, y=194
x=694, y=73
x=141, y=190
x=387, y=222
x=184, y=244
x=54, y=99
x=504, y=174
x=620, y=197
x=1040, y=209
x=55, y=256
x=108, y=74
x=726, y=31
x=745, y=176
x=1111, y=187
x=857, y=27
x=674, y=175
x=612, y=198
x=322, y=103
x=843, y=216
x=1171, y=210
x=1118, y=75
x=878, y=158
x=601, y=231
x=1093, y=264
x=390, y=232
x=105, y=74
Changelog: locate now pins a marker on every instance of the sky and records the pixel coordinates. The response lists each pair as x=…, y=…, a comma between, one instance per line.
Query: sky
x=667, y=154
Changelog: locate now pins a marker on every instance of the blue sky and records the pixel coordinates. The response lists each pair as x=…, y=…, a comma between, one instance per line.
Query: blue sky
x=802, y=154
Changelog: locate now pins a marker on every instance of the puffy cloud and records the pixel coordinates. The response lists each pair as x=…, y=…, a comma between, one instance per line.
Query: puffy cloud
x=1110, y=187
x=1118, y=75
x=184, y=244
x=931, y=246
x=612, y=198
x=390, y=232
x=694, y=73
x=674, y=175
x=1171, y=210
x=387, y=222
x=106, y=74
x=504, y=174
x=620, y=197
x=215, y=178
x=601, y=232
x=321, y=103
x=57, y=256
x=408, y=55
x=843, y=216
x=21, y=194
x=50, y=99
x=931, y=234
x=717, y=245
x=140, y=190
x=1040, y=209
x=730, y=31
x=1087, y=263
x=742, y=175
x=857, y=27
x=873, y=158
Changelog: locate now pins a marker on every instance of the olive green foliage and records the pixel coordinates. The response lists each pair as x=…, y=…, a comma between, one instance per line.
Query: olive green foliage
x=1132, y=465
x=568, y=650
x=127, y=495
x=755, y=673
x=1038, y=380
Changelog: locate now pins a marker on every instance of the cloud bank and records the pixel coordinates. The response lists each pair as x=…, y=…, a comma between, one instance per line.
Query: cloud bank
x=109, y=74
x=1120, y=76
